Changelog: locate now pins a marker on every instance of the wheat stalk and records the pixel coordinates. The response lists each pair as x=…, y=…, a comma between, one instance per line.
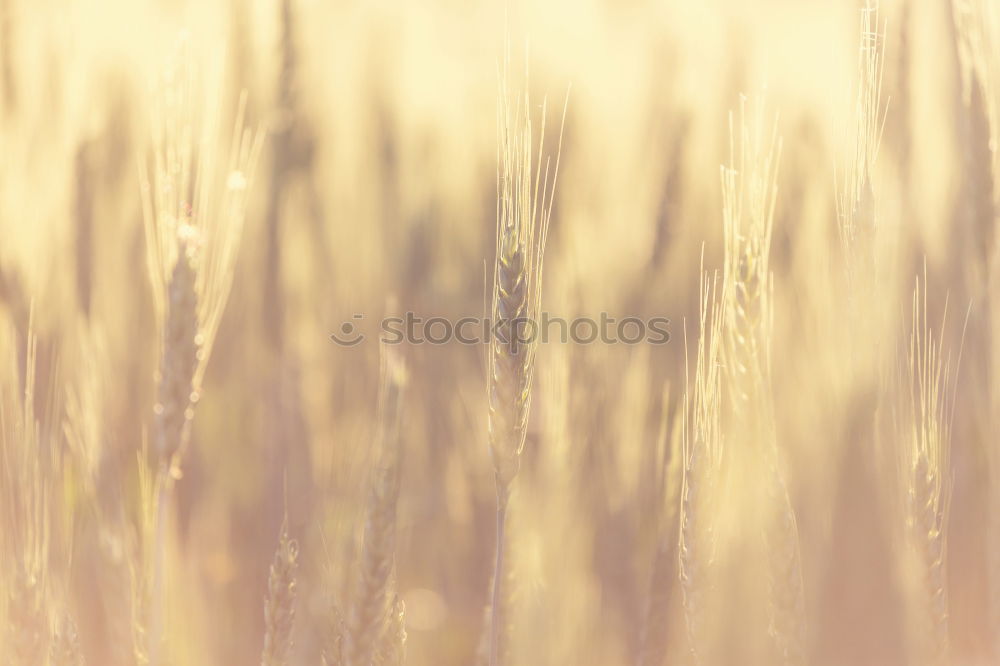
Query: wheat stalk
x=976, y=44
x=176, y=393
x=192, y=238
x=27, y=620
x=279, y=609
x=146, y=571
x=282, y=165
x=64, y=649
x=702, y=443
x=26, y=488
x=333, y=649
x=392, y=650
x=499, y=614
x=373, y=598
x=749, y=193
x=976, y=54
x=856, y=200
x=525, y=197
x=786, y=590
x=655, y=632
x=928, y=393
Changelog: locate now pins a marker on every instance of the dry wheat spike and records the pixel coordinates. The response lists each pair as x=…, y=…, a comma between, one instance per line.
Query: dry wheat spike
x=372, y=603
x=925, y=433
x=749, y=193
x=279, y=608
x=702, y=446
x=525, y=195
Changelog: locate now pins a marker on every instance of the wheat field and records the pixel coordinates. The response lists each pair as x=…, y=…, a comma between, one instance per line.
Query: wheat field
x=506, y=333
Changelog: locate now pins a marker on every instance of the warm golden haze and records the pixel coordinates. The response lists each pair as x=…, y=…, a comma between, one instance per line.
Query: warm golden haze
x=566, y=333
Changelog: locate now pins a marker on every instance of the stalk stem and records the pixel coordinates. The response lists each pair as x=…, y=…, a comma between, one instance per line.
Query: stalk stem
x=157, y=610
x=503, y=494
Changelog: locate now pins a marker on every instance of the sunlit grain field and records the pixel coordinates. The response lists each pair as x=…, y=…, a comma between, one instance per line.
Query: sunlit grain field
x=273, y=281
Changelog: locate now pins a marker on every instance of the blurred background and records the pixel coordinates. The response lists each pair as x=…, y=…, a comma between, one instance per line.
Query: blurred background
x=376, y=190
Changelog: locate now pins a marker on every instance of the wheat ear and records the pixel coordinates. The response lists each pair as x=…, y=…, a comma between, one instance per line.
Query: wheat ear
x=373, y=595
x=333, y=648
x=392, y=650
x=176, y=395
x=701, y=445
x=25, y=489
x=279, y=609
x=929, y=392
x=786, y=589
x=856, y=200
x=524, y=207
x=749, y=193
x=192, y=239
